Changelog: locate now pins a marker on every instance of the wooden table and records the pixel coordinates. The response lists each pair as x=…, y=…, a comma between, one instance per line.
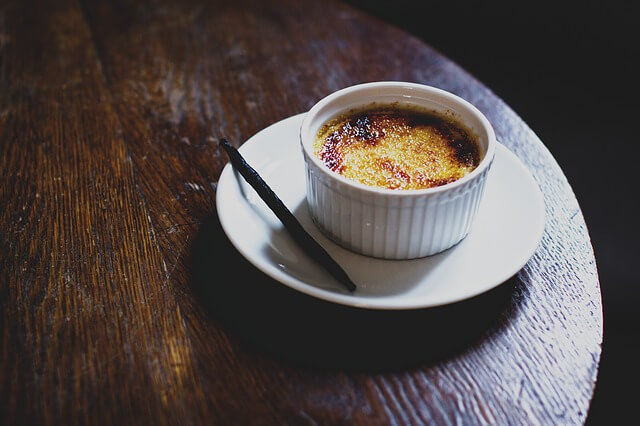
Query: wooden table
x=122, y=302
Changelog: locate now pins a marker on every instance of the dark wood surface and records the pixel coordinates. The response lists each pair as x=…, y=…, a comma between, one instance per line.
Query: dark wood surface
x=123, y=302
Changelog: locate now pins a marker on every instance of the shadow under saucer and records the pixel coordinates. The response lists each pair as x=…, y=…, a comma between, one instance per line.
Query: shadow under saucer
x=287, y=324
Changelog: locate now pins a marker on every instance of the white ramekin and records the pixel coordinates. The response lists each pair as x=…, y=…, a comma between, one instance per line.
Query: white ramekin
x=394, y=224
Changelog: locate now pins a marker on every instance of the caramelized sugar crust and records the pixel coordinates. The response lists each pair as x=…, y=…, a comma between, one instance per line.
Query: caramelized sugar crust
x=395, y=148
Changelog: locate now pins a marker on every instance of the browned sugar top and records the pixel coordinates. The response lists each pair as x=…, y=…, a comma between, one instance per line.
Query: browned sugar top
x=397, y=149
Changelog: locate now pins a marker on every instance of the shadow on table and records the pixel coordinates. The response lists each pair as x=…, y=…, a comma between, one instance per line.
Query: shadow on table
x=289, y=325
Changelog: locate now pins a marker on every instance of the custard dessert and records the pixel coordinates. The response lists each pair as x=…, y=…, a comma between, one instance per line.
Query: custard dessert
x=397, y=147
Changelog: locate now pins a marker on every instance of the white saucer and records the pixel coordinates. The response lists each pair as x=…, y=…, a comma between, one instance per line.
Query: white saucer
x=506, y=232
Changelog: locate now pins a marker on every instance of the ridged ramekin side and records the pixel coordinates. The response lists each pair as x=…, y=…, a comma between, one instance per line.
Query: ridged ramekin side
x=385, y=226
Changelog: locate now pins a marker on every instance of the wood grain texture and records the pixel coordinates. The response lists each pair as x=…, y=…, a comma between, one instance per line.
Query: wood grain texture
x=123, y=302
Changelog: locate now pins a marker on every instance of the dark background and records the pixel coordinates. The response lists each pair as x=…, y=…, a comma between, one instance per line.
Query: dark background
x=566, y=69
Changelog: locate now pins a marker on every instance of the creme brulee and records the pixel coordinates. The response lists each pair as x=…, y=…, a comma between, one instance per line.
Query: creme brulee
x=397, y=147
